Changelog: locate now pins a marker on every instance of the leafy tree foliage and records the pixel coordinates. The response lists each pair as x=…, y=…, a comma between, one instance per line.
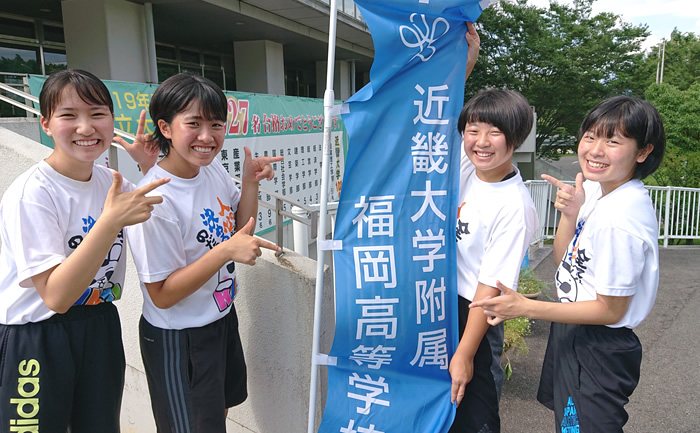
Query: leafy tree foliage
x=680, y=111
x=681, y=61
x=563, y=59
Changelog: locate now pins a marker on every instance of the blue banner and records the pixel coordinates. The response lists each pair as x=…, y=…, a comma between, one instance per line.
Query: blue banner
x=396, y=284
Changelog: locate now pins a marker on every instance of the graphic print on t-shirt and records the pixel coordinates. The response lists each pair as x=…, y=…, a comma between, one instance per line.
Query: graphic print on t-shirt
x=219, y=226
x=102, y=288
x=462, y=227
x=572, y=268
x=227, y=288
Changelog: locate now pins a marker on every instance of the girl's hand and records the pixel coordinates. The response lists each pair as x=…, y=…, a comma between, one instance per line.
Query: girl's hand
x=461, y=371
x=143, y=150
x=509, y=305
x=244, y=247
x=569, y=198
x=133, y=207
x=473, y=43
x=259, y=168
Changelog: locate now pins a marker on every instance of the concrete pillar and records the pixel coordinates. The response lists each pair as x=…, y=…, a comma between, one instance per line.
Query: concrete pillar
x=259, y=67
x=342, y=77
x=108, y=38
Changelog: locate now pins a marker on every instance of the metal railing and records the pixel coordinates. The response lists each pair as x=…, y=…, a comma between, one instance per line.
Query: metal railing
x=677, y=211
x=20, y=91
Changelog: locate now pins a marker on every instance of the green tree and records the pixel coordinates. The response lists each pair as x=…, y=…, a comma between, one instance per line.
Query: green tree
x=680, y=111
x=681, y=61
x=563, y=59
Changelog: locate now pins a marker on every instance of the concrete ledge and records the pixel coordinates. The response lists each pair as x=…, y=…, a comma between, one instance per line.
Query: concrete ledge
x=18, y=154
x=25, y=126
x=275, y=307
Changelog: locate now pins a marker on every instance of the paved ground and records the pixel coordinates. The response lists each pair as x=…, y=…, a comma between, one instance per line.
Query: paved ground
x=667, y=397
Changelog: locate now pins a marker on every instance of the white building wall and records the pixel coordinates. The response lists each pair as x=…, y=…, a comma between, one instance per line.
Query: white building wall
x=259, y=67
x=107, y=38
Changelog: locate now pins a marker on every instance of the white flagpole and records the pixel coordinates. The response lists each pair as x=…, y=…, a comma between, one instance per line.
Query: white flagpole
x=328, y=102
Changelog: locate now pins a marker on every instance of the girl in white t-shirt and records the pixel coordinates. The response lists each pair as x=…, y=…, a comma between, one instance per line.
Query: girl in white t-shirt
x=495, y=224
x=185, y=258
x=62, y=264
x=607, y=247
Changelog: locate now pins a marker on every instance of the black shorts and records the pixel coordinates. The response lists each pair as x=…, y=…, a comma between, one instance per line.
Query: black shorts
x=67, y=370
x=194, y=374
x=588, y=375
x=478, y=411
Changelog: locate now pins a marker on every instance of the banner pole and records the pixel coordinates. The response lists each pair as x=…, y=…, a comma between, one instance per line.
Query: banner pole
x=328, y=102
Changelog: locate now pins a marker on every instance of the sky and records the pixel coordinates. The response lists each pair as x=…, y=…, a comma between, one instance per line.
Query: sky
x=660, y=15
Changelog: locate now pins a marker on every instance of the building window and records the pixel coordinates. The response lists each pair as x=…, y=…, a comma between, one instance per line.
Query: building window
x=166, y=70
x=214, y=66
x=166, y=52
x=28, y=46
x=23, y=40
x=212, y=60
x=54, y=34
x=17, y=28
x=215, y=76
x=19, y=59
x=187, y=56
x=299, y=82
x=54, y=61
x=347, y=7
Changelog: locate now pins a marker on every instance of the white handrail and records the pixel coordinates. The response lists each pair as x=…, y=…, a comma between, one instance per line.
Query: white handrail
x=677, y=210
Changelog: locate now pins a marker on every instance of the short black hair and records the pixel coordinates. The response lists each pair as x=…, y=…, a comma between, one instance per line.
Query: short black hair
x=632, y=118
x=88, y=87
x=176, y=93
x=507, y=110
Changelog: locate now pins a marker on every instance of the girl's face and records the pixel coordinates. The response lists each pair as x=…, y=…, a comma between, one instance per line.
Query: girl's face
x=486, y=147
x=195, y=141
x=610, y=161
x=81, y=132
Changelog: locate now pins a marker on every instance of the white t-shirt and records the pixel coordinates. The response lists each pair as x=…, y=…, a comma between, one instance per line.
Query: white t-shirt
x=495, y=225
x=45, y=216
x=614, y=251
x=196, y=215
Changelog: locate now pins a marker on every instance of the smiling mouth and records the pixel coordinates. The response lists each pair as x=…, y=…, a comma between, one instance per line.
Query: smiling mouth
x=483, y=154
x=86, y=143
x=597, y=164
x=201, y=149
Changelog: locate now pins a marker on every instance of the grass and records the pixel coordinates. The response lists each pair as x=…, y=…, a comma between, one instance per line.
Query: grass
x=528, y=283
x=514, y=333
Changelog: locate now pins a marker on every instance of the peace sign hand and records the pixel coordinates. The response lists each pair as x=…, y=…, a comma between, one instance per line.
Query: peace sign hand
x=259, y=168
x=143, y=150
x=245, y=247
x=132, y=207
x=569, y=198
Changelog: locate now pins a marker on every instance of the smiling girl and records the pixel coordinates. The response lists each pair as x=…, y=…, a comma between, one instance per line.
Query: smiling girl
x=495, y=224
x=607, y=249
x=185, y=258
x=62, y=263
